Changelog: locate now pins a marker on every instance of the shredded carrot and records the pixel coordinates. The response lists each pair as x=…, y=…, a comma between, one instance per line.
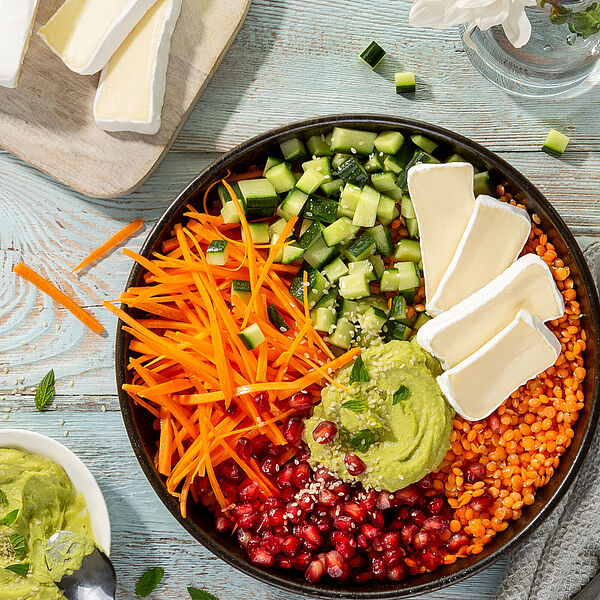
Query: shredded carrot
x=113, y=241
x=48, y=288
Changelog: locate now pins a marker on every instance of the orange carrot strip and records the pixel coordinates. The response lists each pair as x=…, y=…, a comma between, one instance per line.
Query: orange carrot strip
x=165, y=446
x=48, y=288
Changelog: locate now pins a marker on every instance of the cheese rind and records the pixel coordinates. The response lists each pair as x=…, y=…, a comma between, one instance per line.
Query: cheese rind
x=443, y=199
x=527, y=284
x=86, y=33
x=16, y=22
x=477, y=386
x=494, y=237
x=132, y=86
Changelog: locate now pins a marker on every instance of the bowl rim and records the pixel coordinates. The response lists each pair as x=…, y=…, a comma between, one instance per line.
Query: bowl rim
x=80, y=476
x=447, y=137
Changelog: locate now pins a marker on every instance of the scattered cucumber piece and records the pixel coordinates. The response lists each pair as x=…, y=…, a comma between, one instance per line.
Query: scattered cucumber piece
x=319, y=253
x=332, y=187
x=281, y=178
x=407, y=209
x=230, y=213
x=342, y=335
x=349, y=200
x=271, y=162
x=363, y=266
x=340, y=230
x=386, y=209
x=455, y=158
x=217, y=253
x=373, y=164
x=322, y=210
x=329, y=300
x=252, y=336
x=405, y=82
x=259, y=232
x=556, y=143
x=412, y=226
x=260, y=198
x=310, y=181
x=294, y=203
x=384, y=182
x=361, y=248
x=276, y=319
x=372, y=55
x=365, y=214
x=395, y=330
x=421, y=320
x=383, y=239
x=294, y=150
x=241, y=289
x=310, y=236
x=323, y=319
x=289, y=254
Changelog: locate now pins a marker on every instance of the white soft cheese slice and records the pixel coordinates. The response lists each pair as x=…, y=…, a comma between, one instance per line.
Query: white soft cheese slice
x=86, y=33
x=443, y=198
x=494, y=237
x=16, y=22
x=131, y=92
x=527, y=285
x=477, y=386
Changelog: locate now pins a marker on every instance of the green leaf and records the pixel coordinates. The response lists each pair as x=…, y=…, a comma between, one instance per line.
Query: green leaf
x=18, y=543
x=584, y=23
x=149, y=581
x=355, y=405
x=45, y=391
x=359, y=371
x=197, y=594
x=9, y=518
x=21, y=569
x=3, y=499
x=362, y=440
x=400, y=394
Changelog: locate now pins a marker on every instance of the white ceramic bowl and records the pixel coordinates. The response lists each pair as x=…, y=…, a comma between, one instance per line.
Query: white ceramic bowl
x=79, y=474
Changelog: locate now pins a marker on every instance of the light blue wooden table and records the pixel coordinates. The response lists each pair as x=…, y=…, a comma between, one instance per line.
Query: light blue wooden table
x=293, y=59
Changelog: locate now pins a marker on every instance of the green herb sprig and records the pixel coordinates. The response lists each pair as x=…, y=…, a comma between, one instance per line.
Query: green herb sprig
x=359, y=371
x=400, y=394
x=45, y=391
x=362, y=440
x=20, y=569
x=149, y=581
x=196, y=594
x=355, y=405
x=17, y=541
x=9, y=518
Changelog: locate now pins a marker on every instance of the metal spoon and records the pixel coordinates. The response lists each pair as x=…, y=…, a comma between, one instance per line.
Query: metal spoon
x=94, y=580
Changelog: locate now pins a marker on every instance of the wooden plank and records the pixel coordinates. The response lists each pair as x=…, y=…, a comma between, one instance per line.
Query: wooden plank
x=48, y=120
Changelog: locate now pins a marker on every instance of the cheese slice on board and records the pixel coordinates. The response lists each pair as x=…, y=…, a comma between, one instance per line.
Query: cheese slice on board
x=527, y=284
x=443, y=199
x=477, y=386
x=493, y=239
x=132, y=86
x=86, y=33
x=16, y=22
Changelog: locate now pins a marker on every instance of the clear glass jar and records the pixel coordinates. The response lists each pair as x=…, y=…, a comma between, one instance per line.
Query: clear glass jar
x=554, y=61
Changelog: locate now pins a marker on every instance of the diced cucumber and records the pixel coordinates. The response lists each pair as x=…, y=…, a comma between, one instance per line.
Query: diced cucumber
x=271, y=162
x=281, y=177
x=260, y=198
x=378, y=265
x=384, y=182
x=241, y=289
x=424, y=143
x=289, y=254
x=352, y=141
x=481, y=183
x=408, y=295
x=349, y=199
x=409, y=276
x=321, y=165
x=399, y=308
x=276, y=228
x=217, y=252
x=373, y=164
x=338, y=159
x=310, y=236
x=351, y=171
x=317, y=286
x=405, y=82
x=361, y=248
x=383, y=239
x=276, y=319
x=396, y=331
x=354, y=286
x=348, y=309
x=332, y=187
x=323, y=319
x=365, y=214
x=310, y=181
x=342, y=335
x=259, y=233
x=418, y=157
x=372, y=55
x=230, y=213
x=294, y=150
x=373, y=320
x=306, y=223
x=252, y=336
x=455, y=158
x=412, y=226
x=225, y=196
x=376, y=300
x=421, y=320
x=294, y=203
x=556, y=143
x=392, y=164
x=408, y=250
x=364, y=267
x=389, y=281
x=329, y=300
x=389, y=142
x=340, y=230
x=317, y=146
x=319, y=253
x=386, y=209
x=320, y=209
x=407, y=209
x=335, y=269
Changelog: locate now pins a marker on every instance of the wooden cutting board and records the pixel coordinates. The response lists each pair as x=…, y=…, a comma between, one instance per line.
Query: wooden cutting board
x=48, y=121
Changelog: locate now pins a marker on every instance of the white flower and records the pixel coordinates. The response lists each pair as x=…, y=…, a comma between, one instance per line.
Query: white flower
x=442, y=14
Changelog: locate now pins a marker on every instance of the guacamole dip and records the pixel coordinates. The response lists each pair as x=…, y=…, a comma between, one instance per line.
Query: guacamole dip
x=46, y=502
x=396, y=420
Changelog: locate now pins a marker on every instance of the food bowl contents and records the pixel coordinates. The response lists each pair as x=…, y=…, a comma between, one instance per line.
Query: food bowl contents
x=280, y=340
x=37, y=499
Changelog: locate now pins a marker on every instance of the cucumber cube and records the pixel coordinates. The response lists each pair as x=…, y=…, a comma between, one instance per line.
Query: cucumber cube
x=354, y=286
x=556, y=143
x=351, y=171
x=421, y=320
x=335, y=269
x=294, y=203
x=260, y=198
x=317, y=146
x=408, y=250
x=423, y=142
x=365, y=214
x=383, y=239
x=393, y=164
x=349, y=309
x=342, y=335
x=389, y=281
x=373, y=164
x=323, y=319
x=389, y=142
x=384, y=182
x=361, y=248
x=405, y=82
x=319, y=253
x=349, y=199
x=340, y=230
x=373, y=320
x=252, y=336
x=230, y=213
x=409, y=276
x=310, y=181
x=271, y=162
x=217, y=252
x=321, y=165
x=241, y=289
x=372, y=55
x=259, y=233
x=413, y=227
x=281, y=177
x=329, y=300
x=396, y=331
x=310, y=236
x=364, y=267
x=455, y=158
x=352, y=141
x=481, y=183
x=289, y=254
x=386, y=209
x=332, y=187
x=294, y=150
x=407, y=209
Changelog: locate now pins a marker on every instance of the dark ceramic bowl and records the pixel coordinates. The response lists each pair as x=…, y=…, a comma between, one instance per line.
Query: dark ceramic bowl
x=200, y=522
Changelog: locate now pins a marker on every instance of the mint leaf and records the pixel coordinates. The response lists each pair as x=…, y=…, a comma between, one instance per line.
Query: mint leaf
x=355, y=405
x=149, y=581
x=45, y=391
x=362, y=440
x=3, y=499
x=400, y=394
x=359, y=371
x=197, y=594
x=20, y=569
x=18, y=543
x=584, y=23
x=9, y=518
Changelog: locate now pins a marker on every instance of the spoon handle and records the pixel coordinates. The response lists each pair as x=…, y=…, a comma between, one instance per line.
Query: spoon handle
x=591, y=591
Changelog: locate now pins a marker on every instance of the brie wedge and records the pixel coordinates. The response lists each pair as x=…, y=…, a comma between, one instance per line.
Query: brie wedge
x=527, y=285
x=16, y=22
x=493, y=239
x=477, y=386
x=132, y=86
x=86, y=33
x=443, y=199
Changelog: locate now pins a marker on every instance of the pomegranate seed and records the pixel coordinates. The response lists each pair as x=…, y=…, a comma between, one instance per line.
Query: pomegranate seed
x=243, y=447
x=457, y=541
x=426, y=483
x=356, y=511
x=291, y=545
x=282, y=530
x=272, y=502
x=285, y=477
x=421, y=540
x=282, y=562
x=328, y=498
x=435, y=525
x=249, y=491
x=275, y=517
x=354, y=465
x=334, y=563
x=378, y=568
x=261, y=401
x=305, y=502
x=393, y=556
x=376, y=518
x=223, y=524
x=483, y=503
x=407, y=533
x=311, y=534
x=324, y=475
x=434, y=506
x=300, y=401
x=384, y=501
x=397, y=572
x=409, y=495
x=243, y=537
x=232, y=410
x=302, y=560
x=418, y=516
x=345, y=543
x=243, y=508
x=494, y=423
x=301, y=475
x=292, y=430
x=430, y=559
x=324, y=432
x=293, y=512
x=391, y=540
x=370, y=499
x=369, y=531
x=345, y=523
x=269, y=467
x=260, y=556
x=271, y=543
x=248, y=521
x=203, y=485
x=324, y=524
x=362, y=577
x=314, y=571
x=259, y=447
x=362, y=541
x=254, y=542
x=474, y=472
